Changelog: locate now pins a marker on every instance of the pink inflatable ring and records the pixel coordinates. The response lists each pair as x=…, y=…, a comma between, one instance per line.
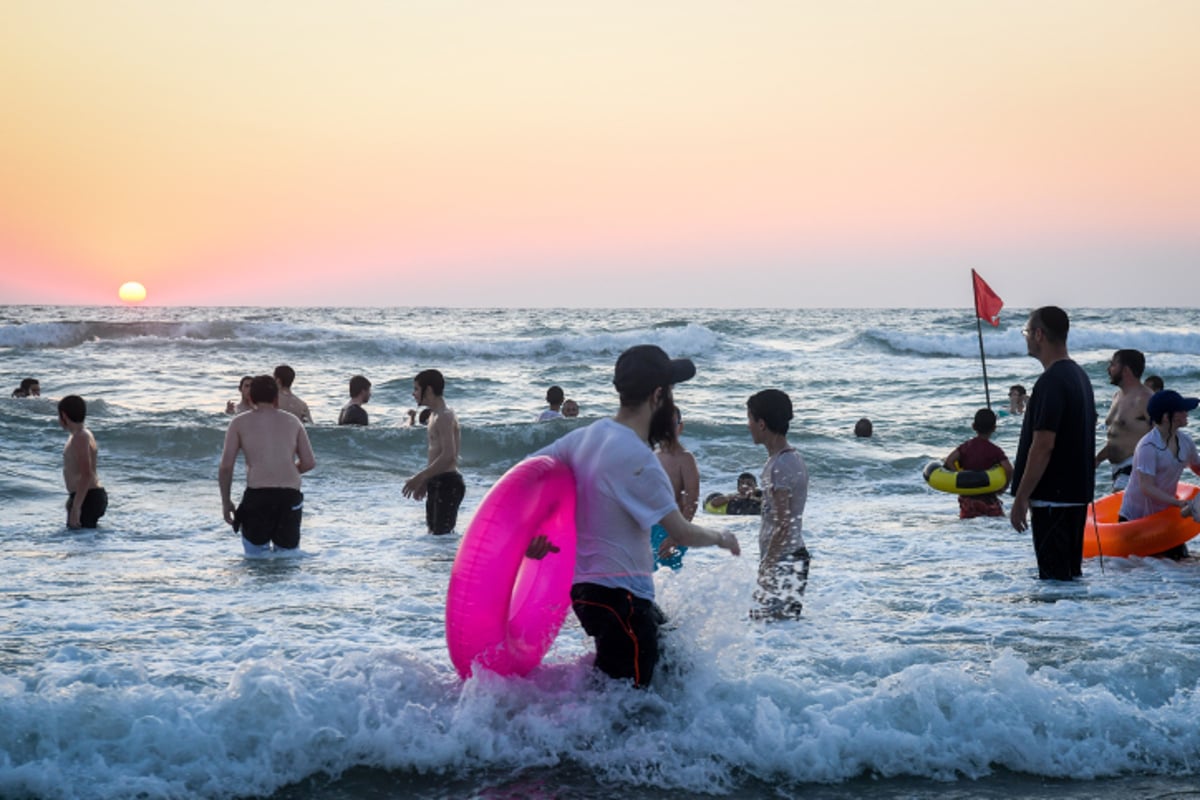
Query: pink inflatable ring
x=503, y=610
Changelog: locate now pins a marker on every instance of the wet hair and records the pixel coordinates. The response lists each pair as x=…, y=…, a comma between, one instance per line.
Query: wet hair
x=748, y=476
x=863, y=428
x=1155, y=382
x=985, y=421
x=1132, y=359
x=26, y=385
x=244, y=379
x=285, y=375
x=554, y=395
x=432, y=379
x=423, y=417
x=73, y=408
x=569, y=403
x=772, y=407
x=1018, y=388
x=1053, y=321
x=264, y=390
x=358, y=384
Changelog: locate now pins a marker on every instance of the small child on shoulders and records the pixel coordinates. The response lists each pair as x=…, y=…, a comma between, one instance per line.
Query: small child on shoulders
x=981, y=454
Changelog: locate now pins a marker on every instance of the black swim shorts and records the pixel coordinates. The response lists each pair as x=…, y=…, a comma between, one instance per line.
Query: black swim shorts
x=270, y=516
x=625, y=628
x=443, y=495
x=95, y=503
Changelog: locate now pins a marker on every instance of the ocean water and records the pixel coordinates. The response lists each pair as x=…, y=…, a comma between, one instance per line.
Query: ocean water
x=148, y=658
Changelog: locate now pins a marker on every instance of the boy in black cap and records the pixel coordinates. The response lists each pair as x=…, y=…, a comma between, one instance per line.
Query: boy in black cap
x=622, y=491
x=1159, y=460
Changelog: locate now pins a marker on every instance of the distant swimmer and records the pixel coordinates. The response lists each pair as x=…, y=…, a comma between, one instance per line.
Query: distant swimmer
x=784, y=558
x=622, y=491
x=244, y=404
x=1017, y=399
x=440, y=485
x=570, y=409
x=1127, y=421
x=1154, y=383
x=980, y=454
x=554, y=398
x=353, y=412
x=863, y=428
x=284, y=377
x=29, y=388
x=86, y=498
x=684, y=474
x=277, y=452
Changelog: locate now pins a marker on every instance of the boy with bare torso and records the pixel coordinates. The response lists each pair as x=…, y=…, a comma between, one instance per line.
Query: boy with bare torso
x=439, y=484
x=86, y=498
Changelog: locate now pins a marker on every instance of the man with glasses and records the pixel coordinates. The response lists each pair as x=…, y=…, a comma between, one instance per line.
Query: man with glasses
x=1054, y=476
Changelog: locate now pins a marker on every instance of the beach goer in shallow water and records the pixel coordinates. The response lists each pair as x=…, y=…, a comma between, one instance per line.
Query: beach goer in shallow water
x=684, y=474
x=783, y=557
x=245, y=403
x=570, y=409
x=622, y=491
x=1054, y=475
x=747, y=499
x=285, y=376
x=440, y=485
x=1017, y=398
x=1127, y=421
x=277, y=453
x=86, y=498
x=1154, y=383
x=1159, y=460
x=29, y=387
x=353, y=412
x=980, y=453
x=863, y=428
x=554, y=398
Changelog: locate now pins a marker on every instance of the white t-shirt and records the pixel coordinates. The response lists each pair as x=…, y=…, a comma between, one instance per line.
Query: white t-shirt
x=620, y=491
x=785, y=470
x=1153, y=459
x=549, y=414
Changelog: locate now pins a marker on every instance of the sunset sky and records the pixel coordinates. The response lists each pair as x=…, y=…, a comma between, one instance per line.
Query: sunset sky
x=676, y=153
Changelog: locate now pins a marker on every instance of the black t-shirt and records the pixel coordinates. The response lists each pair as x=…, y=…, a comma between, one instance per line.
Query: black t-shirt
x=1062, y=402
x=353, y=414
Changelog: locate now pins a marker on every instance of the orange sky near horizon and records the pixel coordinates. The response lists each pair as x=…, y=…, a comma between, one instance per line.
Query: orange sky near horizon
x=543, y=153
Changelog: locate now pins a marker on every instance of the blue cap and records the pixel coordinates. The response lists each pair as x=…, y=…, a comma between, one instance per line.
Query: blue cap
x=1168, y=402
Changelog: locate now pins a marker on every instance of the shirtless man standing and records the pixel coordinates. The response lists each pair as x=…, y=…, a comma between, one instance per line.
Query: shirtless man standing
x=86, y=500
x=277, y=453
x=284, y=377
x=1127, y=420
x=440, y=483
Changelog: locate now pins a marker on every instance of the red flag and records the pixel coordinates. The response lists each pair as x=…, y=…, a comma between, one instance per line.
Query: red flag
x=987, y=302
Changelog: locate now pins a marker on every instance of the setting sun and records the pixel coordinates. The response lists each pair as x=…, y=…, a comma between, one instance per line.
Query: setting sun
x=132, y=292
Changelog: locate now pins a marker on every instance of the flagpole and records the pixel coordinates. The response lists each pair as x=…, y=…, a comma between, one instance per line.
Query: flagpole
x=979, y=329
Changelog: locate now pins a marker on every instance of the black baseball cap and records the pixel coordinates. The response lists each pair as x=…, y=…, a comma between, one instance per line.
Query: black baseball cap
x=646, y=367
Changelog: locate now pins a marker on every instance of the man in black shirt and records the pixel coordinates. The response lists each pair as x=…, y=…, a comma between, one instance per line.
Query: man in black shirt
x=1054, y=476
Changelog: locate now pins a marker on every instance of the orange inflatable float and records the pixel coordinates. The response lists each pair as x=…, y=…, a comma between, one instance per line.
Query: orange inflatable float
x=1156, y=533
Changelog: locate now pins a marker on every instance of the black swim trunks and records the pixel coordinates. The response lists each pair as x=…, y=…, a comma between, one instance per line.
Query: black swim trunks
x=270, y=516
x=95, y=503
x=443, y=495
x=625, y=628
